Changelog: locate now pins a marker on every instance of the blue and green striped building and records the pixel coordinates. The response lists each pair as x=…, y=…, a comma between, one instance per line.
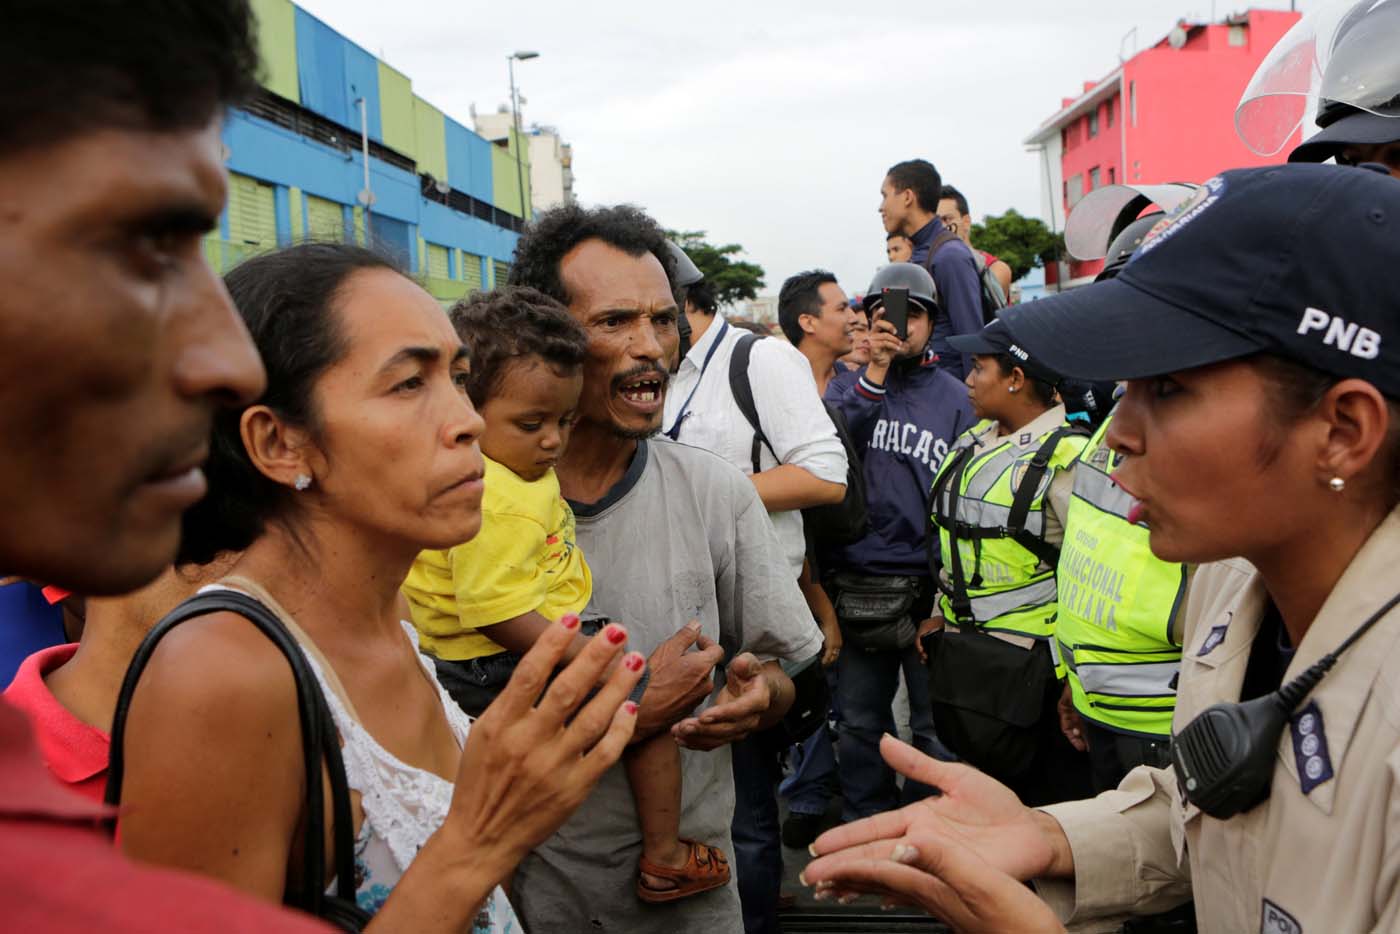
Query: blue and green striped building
x=446, y=201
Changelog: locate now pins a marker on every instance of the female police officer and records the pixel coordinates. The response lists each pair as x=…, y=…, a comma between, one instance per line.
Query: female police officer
x=1262, y=421
x=999, y=501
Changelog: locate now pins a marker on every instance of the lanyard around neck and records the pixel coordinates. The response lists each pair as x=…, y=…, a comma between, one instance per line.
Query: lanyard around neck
x=674, y=432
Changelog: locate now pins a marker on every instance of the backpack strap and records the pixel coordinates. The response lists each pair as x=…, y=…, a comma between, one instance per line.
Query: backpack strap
x=742, y=388
x=320, y=742
x=944, y=236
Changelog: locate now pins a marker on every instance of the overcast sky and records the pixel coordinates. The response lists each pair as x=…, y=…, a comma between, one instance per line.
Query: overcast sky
x=770, y=123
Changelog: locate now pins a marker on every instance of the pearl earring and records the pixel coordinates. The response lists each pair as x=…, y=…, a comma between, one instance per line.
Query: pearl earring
x=302, y=482
x=1011, y=389
x=1337, y=484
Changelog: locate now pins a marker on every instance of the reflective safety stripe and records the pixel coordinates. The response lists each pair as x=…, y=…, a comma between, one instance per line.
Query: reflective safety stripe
x=1145, y=680
x=989, y=607
x=984, y=515
x=1096, y=488
x=989, y=471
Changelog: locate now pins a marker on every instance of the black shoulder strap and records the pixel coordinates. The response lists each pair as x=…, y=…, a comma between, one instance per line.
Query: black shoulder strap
x=319, y=741
x=1025, y=493
x=742, y=388
x=951, y=480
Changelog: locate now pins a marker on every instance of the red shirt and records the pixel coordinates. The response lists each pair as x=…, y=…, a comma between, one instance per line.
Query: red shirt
x=59, y=872
x=75, y=752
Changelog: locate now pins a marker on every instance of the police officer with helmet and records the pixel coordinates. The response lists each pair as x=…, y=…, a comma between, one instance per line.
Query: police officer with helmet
x=1339, y=60
x=998, y=509
x=1259, y=434
x=1359, y=107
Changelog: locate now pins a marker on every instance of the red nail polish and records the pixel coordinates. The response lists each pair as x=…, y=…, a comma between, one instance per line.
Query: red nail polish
x=569, y=621
x=630, y=707
x=616, y=635
x=634, y=662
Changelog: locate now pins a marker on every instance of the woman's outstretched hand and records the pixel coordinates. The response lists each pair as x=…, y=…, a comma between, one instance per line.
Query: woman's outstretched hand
x=983, y=813
x=527, y=765
x=944, y=877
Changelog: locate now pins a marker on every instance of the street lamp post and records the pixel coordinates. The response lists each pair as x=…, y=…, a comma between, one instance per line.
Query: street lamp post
x=515, y=121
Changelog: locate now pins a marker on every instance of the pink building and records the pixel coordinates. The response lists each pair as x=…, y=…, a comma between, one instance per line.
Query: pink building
x=1164, y=115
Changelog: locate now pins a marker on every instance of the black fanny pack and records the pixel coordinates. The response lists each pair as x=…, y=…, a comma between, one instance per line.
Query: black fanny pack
x=874, y=612
x=988, y=696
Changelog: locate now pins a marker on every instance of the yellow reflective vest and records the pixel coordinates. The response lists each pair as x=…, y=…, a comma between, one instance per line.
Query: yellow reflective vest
x=988, y=510
x=1116, y=606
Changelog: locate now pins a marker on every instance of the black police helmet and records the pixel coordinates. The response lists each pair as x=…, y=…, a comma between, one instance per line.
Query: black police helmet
x=909, y=276
x=687, y=273
x=1126, y=244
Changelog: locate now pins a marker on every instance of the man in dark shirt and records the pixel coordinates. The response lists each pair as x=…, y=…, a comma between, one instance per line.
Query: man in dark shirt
x=909, y=199
x=903, y=412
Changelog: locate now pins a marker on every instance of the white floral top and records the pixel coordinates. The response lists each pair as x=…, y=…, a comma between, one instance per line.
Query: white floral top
x=402, y=805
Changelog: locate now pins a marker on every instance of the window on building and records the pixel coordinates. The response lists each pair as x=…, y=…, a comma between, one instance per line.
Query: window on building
x=1237, y=36
x=439, y=267
x=1132, y=102
x=1112, y=175
x=1093, y=178
x=1075, y=190
x=471, y=271
x=325, y=220
x=1064, y=138
x=1109, y=108
x=1094, y=123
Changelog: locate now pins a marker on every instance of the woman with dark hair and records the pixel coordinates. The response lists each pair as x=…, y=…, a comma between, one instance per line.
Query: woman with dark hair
x=999, y=502
x=1261, y=421
x=362, y=452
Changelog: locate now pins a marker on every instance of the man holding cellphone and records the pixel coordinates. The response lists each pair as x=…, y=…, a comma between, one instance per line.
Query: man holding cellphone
x=903, y=411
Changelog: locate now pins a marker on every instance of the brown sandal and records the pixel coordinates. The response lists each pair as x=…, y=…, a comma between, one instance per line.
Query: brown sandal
x=691, y=879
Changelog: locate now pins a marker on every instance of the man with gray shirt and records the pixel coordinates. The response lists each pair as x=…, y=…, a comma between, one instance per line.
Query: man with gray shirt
x=672, y=533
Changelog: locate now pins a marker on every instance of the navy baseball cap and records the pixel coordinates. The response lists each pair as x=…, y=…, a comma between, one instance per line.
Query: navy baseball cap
x=1347, y=127
x=996, y=339
x=1296, y=260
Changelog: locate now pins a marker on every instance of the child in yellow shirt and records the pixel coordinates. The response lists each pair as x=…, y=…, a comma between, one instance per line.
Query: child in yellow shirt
x=480, y=605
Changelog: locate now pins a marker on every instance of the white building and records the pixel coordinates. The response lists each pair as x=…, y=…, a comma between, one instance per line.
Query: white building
x=551, y=169
x=763, y=310
x=551, y=159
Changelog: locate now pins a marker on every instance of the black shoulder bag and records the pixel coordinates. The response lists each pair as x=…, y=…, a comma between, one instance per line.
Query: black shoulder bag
x=320, y=742
x=988, y=694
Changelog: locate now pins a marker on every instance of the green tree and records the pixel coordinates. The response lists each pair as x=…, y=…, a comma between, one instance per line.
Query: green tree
x=1023, y=243
x=733, y=279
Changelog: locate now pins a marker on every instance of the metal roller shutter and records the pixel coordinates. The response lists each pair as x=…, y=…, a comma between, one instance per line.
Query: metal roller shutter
x=252, y=213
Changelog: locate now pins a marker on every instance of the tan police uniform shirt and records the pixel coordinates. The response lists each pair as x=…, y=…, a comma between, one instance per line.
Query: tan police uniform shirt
x=1323, y=852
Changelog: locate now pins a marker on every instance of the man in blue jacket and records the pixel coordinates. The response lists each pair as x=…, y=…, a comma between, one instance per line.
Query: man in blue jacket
x=909, y=199
x=903, y=411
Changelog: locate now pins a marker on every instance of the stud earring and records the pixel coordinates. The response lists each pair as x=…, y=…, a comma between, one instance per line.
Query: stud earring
x=1011, y=389
x=1337, y=484
x=302, y=482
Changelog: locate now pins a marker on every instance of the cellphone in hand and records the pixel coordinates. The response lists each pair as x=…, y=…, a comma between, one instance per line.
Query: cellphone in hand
x=895, y=304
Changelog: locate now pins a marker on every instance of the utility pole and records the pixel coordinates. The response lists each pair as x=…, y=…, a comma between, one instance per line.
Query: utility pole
x=515, y=122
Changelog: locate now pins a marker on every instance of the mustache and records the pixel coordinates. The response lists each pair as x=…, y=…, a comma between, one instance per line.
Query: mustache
x=653, y=370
